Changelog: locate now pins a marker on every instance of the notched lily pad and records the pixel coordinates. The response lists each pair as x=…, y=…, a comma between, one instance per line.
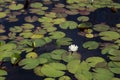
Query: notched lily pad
x=90, y=45
x=109, y=35
x=53, y=69
x=16, y=6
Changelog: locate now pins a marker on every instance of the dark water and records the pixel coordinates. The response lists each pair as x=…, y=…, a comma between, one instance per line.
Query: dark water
x=103, y=15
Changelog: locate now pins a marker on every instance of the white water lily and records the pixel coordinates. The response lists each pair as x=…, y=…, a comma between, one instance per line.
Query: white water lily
x=73, y=47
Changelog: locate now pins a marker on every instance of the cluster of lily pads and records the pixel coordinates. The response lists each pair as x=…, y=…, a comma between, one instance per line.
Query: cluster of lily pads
x=58, y=64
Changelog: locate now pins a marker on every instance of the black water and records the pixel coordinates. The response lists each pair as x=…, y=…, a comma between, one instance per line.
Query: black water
x=103, y=15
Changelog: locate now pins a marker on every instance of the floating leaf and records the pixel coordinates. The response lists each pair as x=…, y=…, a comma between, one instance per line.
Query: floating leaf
x=90, y=45
x=39, y=42
x=101, y=27
x=2, y=74
x=73, y=66
x=26, y=34
x=118, y=25
x=114, y=54
x=57, y=35
x=83, y=18
x=28, y=26
x=35, y=36
x=38, y=72
x=114, y=67
x=59, y=20
x=16, y=29
x=102, y=74
x=64, y=78
x=71, y=56
x=89, y=35
x=16, y=6
x=53, y=69
x=57, y=54
x=31, y=55
x=92, y=61
x=31, y=19
x=2, y=14
x=8, y=47
x=64, y=41
x=29, y=63
x=109, y=35
x=15, y=58
x=85, y=25
x=36, y=5
x=68, y=24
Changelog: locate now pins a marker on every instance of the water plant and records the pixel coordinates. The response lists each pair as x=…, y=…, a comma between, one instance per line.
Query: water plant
x=41, y=42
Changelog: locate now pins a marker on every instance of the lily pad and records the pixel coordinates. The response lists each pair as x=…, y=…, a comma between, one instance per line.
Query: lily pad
x=64, y=41
x=64, y=78
x=16, y=6
x=92, y=61
x=71, y=56
x=38, y=72
x=39, y=42
x=53, y=69
x=31, y=55
x=102, y=74
x=3, y=14
x=114, y=67
x=73, y=66
x=83, y=18
x=8, y=47
x=27, y=26
x=57, y=35
x=29, y=63
x=101, y=27
x=109, y=35
x=3, y=73
x=90, y=45
x=114, y=54
x=31, y=19
x=16, y=29
x=68, y=24
x=36, y=5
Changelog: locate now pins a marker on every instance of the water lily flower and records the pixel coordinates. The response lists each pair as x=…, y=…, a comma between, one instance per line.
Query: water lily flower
x=73, y=47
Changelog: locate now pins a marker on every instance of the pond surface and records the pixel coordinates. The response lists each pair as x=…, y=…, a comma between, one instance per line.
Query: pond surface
x=54, y=14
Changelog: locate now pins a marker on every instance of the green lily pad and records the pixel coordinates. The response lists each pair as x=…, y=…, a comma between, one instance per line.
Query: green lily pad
x=31, y=55
x=26, y=34
x=16, y=29
x=45, y=19
x=84, y=75
x=101, y=27
x=114, y=54
x=36, y=5
x=73, y=66
x=90, y=45
x=64, y=41
x=71, y=56
x=64, y=78
x=8, y=47
x=16, y=6
x=57, y=35
x=85, y=25
x=116, y=79
x=57, y=54
x=109, y=35
x=53, y=69
x=83, y=18
x=102, y=74
x=46, y=56
x=27, y=26
x=114, y=67
x=3, y=73
x=2, y=14
x=39, y=42
x=92, y=61
x=38, y=72
x=106, y=49
x=29, y=63
x=68, y=24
